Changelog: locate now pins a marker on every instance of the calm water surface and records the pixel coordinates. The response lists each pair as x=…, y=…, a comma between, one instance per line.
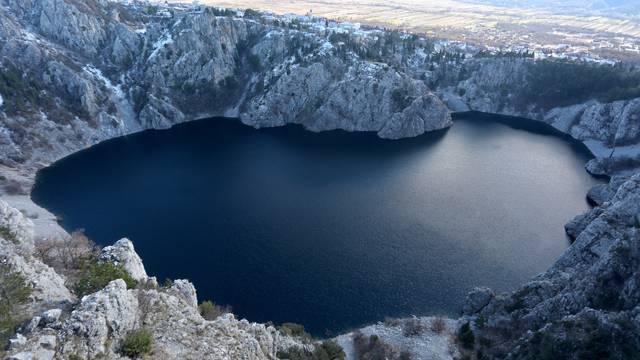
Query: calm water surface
x=331, y=230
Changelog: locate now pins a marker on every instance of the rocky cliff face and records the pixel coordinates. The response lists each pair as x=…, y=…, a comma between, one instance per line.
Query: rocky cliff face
x=609, y=129
x=74, y=73
x=96, y=325
x=99, y=323
x=587, y=303
x=16, y=250
x=93, y=70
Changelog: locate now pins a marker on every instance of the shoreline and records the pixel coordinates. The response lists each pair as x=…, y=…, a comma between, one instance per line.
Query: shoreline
x=46, y=223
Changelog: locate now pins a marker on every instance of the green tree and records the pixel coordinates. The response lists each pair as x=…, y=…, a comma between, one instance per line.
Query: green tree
x=98, y=275
x=466, y=337
x=210, y=311
x=14, y=291
x=254, y=62
x=328, y=350
x=7, y=234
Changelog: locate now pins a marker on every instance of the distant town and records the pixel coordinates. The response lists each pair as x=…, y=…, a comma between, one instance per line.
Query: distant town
x=586, y=45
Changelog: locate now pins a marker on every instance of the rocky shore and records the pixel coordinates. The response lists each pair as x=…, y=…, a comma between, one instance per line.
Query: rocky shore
x=75, y=73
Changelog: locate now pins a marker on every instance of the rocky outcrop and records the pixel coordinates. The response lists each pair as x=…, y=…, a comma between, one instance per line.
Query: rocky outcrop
x=477, y=299
x=123, y=254
x=16, y=250
x=98, y=324
x=593, y=287
x=369, y=97
x=16, y=228
x=611, y=130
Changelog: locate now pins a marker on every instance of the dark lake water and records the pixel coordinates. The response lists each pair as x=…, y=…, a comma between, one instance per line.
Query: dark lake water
x=332, y=230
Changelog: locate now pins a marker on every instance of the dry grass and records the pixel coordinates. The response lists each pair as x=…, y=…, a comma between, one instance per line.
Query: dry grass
x=412, y=327
x=13, y=187
x=438, y=325
x=67, y=255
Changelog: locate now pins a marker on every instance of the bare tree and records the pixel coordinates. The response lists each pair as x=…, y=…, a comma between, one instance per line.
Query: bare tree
x=67, y=254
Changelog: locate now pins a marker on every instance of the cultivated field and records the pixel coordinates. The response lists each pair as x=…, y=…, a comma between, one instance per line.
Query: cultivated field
x=458, y=20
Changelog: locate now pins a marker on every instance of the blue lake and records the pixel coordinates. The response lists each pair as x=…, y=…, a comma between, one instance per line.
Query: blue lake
x=331, y=230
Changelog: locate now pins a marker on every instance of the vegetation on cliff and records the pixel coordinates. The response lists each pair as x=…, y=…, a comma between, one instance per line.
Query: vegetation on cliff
x=552, y=83
x=14, y=292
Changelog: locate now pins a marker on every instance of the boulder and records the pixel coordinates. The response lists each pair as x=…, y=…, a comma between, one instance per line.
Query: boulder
x=476, y=300
x=123, y=254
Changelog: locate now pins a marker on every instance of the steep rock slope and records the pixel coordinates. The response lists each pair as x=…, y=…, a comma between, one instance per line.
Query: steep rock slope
x=95, y=326
x=610, y=129
x=90, y=71
x=16, y=250
x=587, y=304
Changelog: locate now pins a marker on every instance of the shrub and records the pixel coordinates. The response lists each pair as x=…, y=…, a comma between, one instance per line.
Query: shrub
x=438, y=325
x=219, y=11
x=293, y=329
x=137, y=343
x=15, y=292
x=400, y=100
x=210, y=311
x=466, y=337
x=252, y=14
x=167, y=283
x=371, y=348
x=148, y=284
x=327, y=350
x=292, y=353
x=254, y=62
x=8, y=235
x=230, y=83
x=98, y=275
x=392, y=322
x=13, y=187
x=67, y=255
x=412, y=327
x=481, y=321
